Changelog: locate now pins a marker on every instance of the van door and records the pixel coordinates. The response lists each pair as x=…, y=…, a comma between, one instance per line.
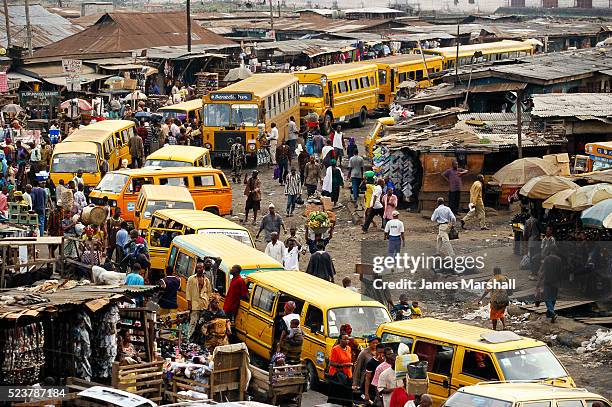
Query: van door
x=439, y=358
x=314, y=346
x=259, y=324
x=183, y=268
x=473, y=366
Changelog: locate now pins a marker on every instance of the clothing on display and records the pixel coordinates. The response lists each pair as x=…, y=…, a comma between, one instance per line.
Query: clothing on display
x=22, y=355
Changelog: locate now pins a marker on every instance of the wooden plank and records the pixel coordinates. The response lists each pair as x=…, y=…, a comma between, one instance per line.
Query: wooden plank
x=596, y=320
x=560, y=305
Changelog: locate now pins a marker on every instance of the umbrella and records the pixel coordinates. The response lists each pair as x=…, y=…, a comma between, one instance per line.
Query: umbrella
x=598, y=215
x=80, y=103
x=534, y=42
x=587, y=196
x=522, y=170
x=237, y=74
x=12, y=108
x=560, y=200
x=545, y=186
x=113, y=79
x=136, y=95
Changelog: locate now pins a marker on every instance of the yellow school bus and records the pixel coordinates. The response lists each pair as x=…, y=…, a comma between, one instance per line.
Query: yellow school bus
x=396, y=69
x=110, y=140
x=491, y=51
x=337, y=93
x=246, y=110
x=189, y=110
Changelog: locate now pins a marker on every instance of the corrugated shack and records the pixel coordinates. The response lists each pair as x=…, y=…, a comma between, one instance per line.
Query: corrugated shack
x=415, y=152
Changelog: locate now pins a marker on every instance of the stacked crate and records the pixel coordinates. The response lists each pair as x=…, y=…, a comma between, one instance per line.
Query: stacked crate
x=20, y=215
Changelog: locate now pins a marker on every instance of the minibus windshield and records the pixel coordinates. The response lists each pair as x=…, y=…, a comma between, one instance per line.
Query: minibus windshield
x=363, y=320
x=112, y=182
x=73, y=162
x=537, y=363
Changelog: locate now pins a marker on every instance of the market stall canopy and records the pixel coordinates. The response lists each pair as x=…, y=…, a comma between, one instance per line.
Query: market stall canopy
x=560, y=200
x=587, y=196
x=522, y=170
x=599, y=215
x=545, y=186
x=113, y=79
x=238, y=74
x=12, y=108
x=80, y=103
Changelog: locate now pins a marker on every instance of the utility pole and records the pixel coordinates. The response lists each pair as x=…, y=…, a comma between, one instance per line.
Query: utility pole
x=28, y=27
x=519, y=122
x=271, y=17
x=189, y=26
x=8, y=24
x=279, y=8
x=457, y=56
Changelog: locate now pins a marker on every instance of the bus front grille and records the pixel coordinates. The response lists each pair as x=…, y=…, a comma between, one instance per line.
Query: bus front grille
x=225, y=139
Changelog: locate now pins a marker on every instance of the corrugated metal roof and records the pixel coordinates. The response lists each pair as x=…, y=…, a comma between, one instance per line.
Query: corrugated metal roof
x=310, y=47
x=373, y=10
x=47, y=27
x=572, y=105
x=116, y=32
x=180, y=52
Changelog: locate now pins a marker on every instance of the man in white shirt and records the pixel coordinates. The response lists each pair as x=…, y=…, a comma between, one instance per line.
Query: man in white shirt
x=273, y=140
x=394, y=233
x=338, y=144
x=292, y=137
x=275, y=248
x=175, y=129
x=387, y=382
x=291, y=260
x=445, y=219
x=376, y=207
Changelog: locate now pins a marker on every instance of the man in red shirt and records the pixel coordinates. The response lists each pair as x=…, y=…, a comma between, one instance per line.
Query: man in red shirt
x=237, y=291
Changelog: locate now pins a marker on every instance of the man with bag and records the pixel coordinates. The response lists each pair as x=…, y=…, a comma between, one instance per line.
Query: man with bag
x=445, y=219
x=252, y=191
x=477, y=208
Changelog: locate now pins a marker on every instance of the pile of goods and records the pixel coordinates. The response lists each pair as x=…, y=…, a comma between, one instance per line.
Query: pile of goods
x=318, y=221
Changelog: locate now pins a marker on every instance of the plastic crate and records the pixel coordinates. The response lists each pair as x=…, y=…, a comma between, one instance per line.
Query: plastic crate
x=33, y=219
x=14, y=217
x=24, y=218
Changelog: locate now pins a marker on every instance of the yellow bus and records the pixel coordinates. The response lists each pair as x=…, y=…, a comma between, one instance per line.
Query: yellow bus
x=337, y=93
x=491, y=51
x=189, y=110
x=246, y=110
x=396, y=69
x=110, y=140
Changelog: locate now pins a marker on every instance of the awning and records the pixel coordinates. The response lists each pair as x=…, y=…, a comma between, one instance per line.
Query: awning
x=15, y=76
x=498, y=87
x=85, y=78
x=122, y=67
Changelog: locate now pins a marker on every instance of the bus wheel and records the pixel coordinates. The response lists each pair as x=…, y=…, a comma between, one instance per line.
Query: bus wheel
x=312, y=380
x=326, y=126
x=214, y=211
x=360, y=120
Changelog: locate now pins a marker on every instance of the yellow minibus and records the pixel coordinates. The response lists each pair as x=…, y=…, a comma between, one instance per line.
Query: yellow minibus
x=246, y=110
x=110, y=138
x=189, y=110
x=157, y=197
x=338, y=93
x=323, y=308
x=168, y=223
x=185, y=252
x=179, y=156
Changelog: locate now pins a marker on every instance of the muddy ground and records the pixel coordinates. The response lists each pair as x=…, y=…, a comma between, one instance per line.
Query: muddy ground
x=590, y=370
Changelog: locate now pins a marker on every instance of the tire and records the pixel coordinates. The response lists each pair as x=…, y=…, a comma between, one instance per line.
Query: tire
x=312, y=382
x=360, y=120
x=214, y=211
x=326, y=125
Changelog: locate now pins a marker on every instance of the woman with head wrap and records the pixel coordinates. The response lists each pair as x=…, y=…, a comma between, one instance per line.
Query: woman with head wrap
x=332, y=182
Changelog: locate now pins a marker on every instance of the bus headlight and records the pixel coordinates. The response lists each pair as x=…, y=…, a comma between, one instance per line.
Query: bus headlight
x=251, y=145
x=208, y=146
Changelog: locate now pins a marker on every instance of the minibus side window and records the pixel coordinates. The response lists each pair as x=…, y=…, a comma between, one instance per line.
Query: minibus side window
x=394, y=340
x=183, y=264
x=591, y=402
x=314, y=319
x=480, y=365
x=175, y=181
x=125, y=137
x=439, y=358
x=223, y=180
x=172, y=256
x=263, y=299
x=204, y=180
x=537, y=404
x=118, y=140
x=569, y=403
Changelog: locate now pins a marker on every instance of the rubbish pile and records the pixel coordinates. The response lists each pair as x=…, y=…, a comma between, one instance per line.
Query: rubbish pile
x=602, y=340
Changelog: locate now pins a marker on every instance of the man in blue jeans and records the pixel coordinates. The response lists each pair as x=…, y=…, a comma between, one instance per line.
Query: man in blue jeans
x=355, y=173
x=548, y=282
x=39, y=199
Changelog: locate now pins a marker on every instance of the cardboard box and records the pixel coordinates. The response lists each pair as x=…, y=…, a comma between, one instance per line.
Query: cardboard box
x=561, y=161
x=130, y=84
x=327, y=203
x=417, y=386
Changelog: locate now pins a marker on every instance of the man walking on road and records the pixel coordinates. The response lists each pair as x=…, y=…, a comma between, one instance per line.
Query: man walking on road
x=477, y=208
x=547, y=288
x=312, y=175
x=136, y=150
x=292, y=137
x=445, y=218
x=338, y=144
x=355, y=173
x=272, y=222
x=237, y=159
x=252, y=191
x=453, y=177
